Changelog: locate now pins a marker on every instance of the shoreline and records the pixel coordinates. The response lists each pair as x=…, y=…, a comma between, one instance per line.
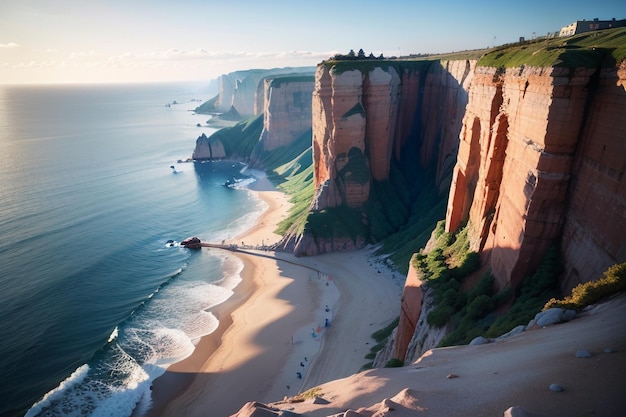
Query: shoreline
x=273, y=327
x=179, y=376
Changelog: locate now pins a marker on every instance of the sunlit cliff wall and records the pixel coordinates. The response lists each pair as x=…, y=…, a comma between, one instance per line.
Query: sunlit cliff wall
x=239, y=89
x=286, y=110
x=542, y=152
x=379, y=113
x=539, y=153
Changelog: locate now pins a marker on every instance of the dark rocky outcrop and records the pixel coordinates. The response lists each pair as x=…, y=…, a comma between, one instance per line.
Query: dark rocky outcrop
x=208, y=149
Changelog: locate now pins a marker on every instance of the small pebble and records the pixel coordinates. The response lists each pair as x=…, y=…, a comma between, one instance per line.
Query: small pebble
x=608, y=350
x=556, y=388
x=451, y=376
x=583, y=353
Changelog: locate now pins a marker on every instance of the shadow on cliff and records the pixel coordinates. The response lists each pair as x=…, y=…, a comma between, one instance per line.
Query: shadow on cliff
x=425, y=148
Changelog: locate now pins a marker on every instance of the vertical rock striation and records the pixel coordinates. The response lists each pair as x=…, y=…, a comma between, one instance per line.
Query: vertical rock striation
x=286, y=110
x=523, y=130
x=208, y=149
x=537, y=153
x=238, y=89
x=595, y=226
x=363, y=118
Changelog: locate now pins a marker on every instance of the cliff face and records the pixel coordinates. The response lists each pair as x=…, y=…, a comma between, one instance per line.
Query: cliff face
x=286, y=110
x=364, y=118
x=538, y=153
x=239, y=89
x=531, y=162
x=595, y=226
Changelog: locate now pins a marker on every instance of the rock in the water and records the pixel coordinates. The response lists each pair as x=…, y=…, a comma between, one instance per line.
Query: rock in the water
x=608, y=350
x=479, y=341
x=556, y=388
x=583, y=353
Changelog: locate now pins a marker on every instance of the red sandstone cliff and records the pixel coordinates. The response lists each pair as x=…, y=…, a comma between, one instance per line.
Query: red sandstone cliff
x=363, y=118
x=542, y=152
x=377, y=111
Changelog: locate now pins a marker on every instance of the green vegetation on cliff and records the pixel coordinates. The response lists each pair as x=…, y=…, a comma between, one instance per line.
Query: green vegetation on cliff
x=240, y=140
x=279, y=80
x=208, y=106
x=475, y=312
x=291, y=166
x=612, y=282
x=590, y=50
x=300, y=187
x=367, y=65
x=534, y=291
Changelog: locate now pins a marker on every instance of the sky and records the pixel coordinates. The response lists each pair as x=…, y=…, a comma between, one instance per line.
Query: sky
x=104, y=41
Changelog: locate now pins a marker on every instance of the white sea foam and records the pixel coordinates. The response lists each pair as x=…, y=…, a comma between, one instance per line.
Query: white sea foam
x=163, y=332
x=76, y=378
x=113, y=335
x=232, y=267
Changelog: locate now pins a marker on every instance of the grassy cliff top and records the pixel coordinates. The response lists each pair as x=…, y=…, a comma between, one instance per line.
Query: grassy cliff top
x=292, y=78
x=591, y=49
x=366, y=65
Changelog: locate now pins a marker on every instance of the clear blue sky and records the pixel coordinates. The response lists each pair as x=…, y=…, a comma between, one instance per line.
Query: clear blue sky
x=159, y=40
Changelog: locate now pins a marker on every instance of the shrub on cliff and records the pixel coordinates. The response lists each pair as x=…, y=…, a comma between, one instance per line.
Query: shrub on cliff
x=535, y=290
x=394, y=363
x=613, y=282
x=478, y=314
x=444, y=268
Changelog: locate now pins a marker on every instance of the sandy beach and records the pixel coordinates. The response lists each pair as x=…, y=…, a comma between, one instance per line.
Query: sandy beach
x=291, y=324
x=272, y=343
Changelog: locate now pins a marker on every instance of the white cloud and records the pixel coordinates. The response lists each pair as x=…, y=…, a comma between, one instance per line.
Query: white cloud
x=10, y=45
x=203, y=54
x=89, y=54
x=171, y=64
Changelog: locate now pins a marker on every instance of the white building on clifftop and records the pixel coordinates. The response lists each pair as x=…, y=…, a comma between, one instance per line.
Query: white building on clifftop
x=581, y=26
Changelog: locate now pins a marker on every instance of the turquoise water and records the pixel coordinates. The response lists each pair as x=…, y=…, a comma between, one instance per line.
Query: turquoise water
x=93, y=301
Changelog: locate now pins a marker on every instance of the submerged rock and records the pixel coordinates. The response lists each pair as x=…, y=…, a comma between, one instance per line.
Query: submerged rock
x=583, y=353
x=556, y=388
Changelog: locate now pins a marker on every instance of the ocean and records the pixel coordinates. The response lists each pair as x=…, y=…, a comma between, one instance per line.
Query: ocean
x=94, y=301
